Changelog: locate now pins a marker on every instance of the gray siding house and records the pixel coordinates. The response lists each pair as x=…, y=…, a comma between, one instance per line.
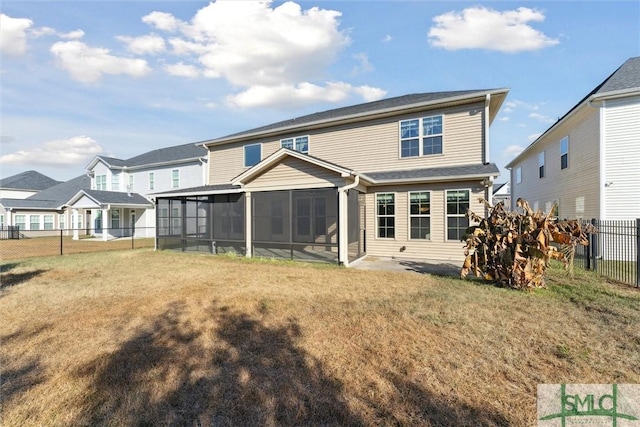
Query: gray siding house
x=393, y=177
x=588, y=162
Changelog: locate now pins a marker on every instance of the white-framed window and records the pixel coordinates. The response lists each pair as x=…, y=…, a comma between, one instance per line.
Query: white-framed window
x=34, y=222
x=564, y=152
x=385, y=215
x=115, y=218
x=420, y=215
x=421, y=137
x=457, y=207
x=130, y=182
x=541, y=165
x=62, y=221
x=48, y=222
x=79, y=225
x=152, y=181
x=580, y=207
x=298, y=143
x=115, y=182
x=20, y=221
x=101, y=182
x=1, y=220
x=252, y=154
x=175, y=178
x=519, y=175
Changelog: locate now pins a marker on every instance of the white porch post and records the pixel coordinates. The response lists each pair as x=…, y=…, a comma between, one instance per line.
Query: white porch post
x=105, y=230
x=343, y=236
x=248, y=225
x=74, y=223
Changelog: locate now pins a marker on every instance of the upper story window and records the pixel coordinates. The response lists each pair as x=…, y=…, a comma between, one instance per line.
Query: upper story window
x=564, y=153
x=101, y=182
x=421, y=137
x=541, y=165
x=130, y=186
x=152, y=181
x=252, y=154
x=519, y=175
x=115, y=182
x=175, y=178
x=299, y=143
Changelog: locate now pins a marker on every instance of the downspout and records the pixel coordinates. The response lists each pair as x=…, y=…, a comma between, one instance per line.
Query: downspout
x=343, y=236
x=487, y=101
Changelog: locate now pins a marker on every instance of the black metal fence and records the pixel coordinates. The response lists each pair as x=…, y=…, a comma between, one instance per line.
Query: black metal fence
x=17, y=244
x=614, y=251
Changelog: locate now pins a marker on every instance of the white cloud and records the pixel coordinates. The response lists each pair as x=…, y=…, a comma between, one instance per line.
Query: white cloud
x=13, y=35
x=162, y=21
x=483, y=28
x=87, y=64
x=503, y=119
x=75, y=151
x=387, y=38
x=183, y=70
x=292, y=96
x=48, y=31
x=541, y=118
x=272, y=55
x=144, y=45
x=364, y=65
x=512, y=151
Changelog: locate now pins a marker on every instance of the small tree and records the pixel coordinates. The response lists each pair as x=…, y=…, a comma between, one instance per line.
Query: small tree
x=513, y=249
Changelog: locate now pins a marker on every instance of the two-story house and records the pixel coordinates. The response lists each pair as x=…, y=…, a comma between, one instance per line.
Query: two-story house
x=588, y=162
x=393, y=177
x=120, y=198
x=112, y=198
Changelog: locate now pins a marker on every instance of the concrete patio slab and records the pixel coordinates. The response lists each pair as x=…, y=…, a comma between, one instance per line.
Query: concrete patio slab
x=422, y=266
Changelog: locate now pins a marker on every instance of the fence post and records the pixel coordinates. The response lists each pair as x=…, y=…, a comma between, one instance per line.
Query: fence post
x=60, y=241
x=133, y=233
x=637, y=252
x=594, y=245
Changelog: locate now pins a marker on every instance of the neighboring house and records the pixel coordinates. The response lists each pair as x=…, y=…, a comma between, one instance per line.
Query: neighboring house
x=24, y=185
x=45, y=210
x=502, y=193
x=588, y=162
x=119, y=198
x=113, y=198
x=388, y=178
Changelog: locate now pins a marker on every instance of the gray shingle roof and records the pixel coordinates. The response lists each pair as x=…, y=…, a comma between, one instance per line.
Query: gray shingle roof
x=369, y=107
x=117, y=198
x=29, y=180
x=435, y=173
x=53, y=197
x=625, y=77
x=169, y=154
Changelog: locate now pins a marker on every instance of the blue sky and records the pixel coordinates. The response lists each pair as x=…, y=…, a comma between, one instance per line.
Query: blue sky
x=120, y=78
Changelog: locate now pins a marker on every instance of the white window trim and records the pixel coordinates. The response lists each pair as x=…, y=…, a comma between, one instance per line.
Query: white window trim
x=446, y=215
x=395, y=215
x=294, y=143
x=409, y=215
x=519, y=175
x=244, y=154
x=152, y=180
x=541, y=164
x=39, y=222
x=420, y=137
x=115, y=182
x=119, y=218
x=173, y=179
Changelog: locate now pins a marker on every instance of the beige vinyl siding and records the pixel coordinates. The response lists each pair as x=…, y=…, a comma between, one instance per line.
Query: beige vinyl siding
x=578, y=181
x=437, y=248
x=370, y=146
x=295, y=173
x=621, y=123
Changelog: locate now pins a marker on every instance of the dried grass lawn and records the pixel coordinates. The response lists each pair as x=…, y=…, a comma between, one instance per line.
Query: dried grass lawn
x=162, y=338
